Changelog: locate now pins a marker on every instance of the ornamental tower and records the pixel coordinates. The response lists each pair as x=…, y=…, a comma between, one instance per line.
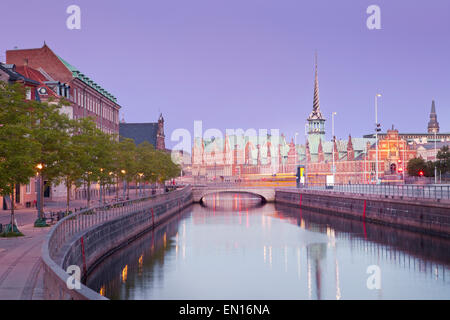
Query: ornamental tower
x=316, y=122
x=433, y=124
x=160, y=137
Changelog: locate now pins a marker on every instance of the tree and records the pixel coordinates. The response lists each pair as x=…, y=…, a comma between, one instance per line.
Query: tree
x=166, y=169
x=93, y=151
x=69, y=162
x=126, y=165
x=18, y=149
x=415, y=166
x=104, y=160
x=146, y=162
x=429, y=169
x=443, y=162
x=52, y=131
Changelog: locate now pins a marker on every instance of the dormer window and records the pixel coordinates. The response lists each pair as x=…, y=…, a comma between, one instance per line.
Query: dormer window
x=28, y=94
x=43, y=91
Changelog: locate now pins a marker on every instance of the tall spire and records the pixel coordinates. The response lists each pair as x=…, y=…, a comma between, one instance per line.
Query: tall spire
x=316, y=102
x=316, y=114
x=433, y=124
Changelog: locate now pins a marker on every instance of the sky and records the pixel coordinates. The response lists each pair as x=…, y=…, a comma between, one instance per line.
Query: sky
x=250, y=63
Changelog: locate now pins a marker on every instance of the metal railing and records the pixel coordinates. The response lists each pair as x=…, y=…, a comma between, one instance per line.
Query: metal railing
x=410, y=191
x=74, y=224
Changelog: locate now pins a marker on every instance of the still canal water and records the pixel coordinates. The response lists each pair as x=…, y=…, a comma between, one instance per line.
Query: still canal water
x=235, y=248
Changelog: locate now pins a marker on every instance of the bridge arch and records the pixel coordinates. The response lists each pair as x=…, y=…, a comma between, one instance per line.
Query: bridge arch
x=266, y=193
x=263, y=199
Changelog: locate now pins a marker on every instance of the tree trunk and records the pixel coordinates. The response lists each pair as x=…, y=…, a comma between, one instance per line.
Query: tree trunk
x=88, y=193
x=117, y=188
x=68, y=195
x=128, y=190
x=41, y=202
x=136, y=188
x=100, y=194
x=12, y=207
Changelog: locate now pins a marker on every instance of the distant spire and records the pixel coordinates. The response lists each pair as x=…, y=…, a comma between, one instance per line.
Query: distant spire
x=433, y=124
x=316, y=102
x=316, y=113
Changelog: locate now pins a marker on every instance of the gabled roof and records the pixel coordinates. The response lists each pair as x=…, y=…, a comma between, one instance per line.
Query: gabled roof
x=139, y=132
x=79, y=75
x=359, y=145
x=431, y=145
x=14, y=75
x=36, y=76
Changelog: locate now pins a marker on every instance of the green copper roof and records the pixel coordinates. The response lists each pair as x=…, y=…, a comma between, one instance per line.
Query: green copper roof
x=77, y=74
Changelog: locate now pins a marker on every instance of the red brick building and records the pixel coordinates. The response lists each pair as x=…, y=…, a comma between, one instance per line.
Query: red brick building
x=55, y=77
x=393, y=155
x=87, y=97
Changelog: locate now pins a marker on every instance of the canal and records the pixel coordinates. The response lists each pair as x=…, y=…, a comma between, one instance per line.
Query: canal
x=234, y=247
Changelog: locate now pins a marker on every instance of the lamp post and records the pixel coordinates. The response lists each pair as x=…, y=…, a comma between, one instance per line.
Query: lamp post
x=124, y=185
x=295, y=148
x=140, y=183
x=377, y=129
x=115, y=186
x=435, y=159
x=334, y=141
x=101, y=192
x=40, y=222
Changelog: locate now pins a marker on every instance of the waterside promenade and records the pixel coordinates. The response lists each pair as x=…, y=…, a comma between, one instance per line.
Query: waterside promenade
x=21, y=273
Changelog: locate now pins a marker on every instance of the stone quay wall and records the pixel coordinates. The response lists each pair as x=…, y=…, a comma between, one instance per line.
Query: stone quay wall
x=426, y=216
x=86, y=238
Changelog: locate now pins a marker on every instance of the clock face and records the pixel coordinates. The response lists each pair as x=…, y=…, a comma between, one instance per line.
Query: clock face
x=42, y=90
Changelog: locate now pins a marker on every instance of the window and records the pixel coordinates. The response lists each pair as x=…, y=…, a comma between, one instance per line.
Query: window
x=28, y=93
x=28, y=187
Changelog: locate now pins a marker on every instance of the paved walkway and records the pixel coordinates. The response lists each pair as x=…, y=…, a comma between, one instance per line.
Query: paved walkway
x=21, y=272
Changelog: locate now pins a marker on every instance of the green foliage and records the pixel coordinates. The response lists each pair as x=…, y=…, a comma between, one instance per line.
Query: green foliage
x=52, y=131
x=443, y=162
x=70, y=151
x=415, y=166
x=11, y=234
x=18, y=148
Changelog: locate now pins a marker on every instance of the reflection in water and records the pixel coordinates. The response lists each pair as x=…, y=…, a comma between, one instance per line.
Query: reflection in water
x=226, y=201
x=233, y=247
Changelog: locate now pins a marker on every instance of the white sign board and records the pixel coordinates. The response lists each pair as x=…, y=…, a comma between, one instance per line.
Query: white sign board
x=330, y=180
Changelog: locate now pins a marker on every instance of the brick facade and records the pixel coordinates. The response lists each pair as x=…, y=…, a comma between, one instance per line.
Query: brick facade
x=87, y=97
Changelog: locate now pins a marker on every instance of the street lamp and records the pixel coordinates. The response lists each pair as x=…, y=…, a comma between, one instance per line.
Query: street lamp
x=101, y=192
x=40, y=222
x=140, y=183
x=377, y=129
x=334, y=141
x=435, y=159
x=124, y=185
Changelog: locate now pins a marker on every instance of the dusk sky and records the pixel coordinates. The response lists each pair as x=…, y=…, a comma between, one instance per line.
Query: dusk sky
x=250, y=63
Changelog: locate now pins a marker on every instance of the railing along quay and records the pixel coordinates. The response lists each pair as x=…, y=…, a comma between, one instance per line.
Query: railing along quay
x=437, y=192
x=74, y=224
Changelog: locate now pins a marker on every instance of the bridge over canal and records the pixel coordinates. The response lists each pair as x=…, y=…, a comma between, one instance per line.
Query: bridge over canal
x=267, y=194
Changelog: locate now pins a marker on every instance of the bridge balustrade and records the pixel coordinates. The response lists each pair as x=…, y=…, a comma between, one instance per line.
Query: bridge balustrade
x=437, y=192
